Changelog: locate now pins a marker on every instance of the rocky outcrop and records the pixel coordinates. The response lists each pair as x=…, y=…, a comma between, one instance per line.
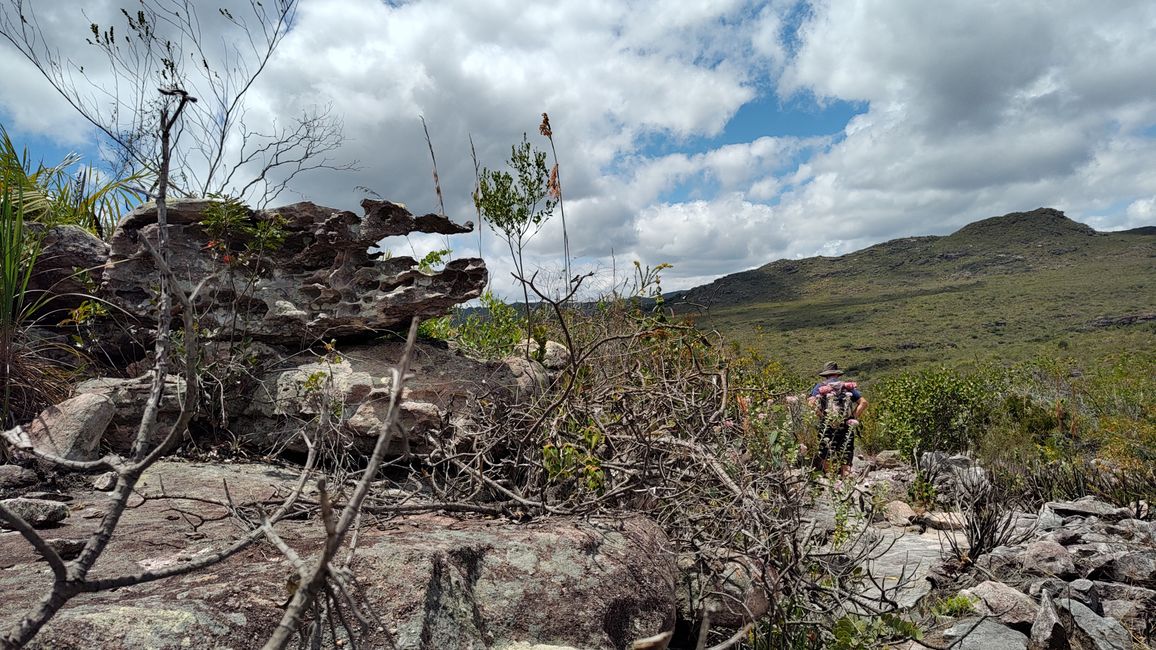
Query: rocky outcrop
x=69, y=268
x=128, y=397
x=431, y=581
x=321, y=281
x=352, y=390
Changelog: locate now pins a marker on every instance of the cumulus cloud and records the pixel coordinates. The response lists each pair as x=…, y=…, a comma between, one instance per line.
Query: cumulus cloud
x=967, y=110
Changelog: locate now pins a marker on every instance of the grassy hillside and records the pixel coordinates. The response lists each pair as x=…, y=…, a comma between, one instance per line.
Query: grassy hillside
x=1007, y=288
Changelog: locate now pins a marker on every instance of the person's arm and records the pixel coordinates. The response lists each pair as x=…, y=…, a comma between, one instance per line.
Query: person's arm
x=860, y=406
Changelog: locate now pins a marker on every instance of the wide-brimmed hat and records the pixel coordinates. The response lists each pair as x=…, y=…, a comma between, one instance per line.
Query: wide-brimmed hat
x=831, y=369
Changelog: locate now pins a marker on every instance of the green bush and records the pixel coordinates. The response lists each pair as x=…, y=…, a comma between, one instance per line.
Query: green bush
x=491, y=333
x=935, y=410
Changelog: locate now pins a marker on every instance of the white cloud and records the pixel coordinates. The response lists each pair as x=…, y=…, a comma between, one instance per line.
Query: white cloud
x=971, y=110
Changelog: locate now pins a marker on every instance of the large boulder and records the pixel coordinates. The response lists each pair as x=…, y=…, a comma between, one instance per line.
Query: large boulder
x=430, y=581
x=73, y=428
x=69, y=268
x=321, y=282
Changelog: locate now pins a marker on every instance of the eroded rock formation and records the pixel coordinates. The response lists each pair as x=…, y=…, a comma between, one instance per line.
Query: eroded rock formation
x=323, y=281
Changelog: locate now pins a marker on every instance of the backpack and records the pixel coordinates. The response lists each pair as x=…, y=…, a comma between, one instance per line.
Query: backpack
x=837, y=402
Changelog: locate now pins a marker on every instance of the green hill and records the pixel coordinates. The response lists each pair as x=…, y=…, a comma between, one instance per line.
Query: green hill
x=1006, y=288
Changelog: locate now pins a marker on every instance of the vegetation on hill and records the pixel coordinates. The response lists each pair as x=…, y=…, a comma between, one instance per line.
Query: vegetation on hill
x=1003, y=289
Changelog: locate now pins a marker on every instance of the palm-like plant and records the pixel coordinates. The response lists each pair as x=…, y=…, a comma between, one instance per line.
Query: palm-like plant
x=50, y=196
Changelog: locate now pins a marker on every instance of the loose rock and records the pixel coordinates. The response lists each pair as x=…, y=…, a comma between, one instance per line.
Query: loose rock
x=37, y=513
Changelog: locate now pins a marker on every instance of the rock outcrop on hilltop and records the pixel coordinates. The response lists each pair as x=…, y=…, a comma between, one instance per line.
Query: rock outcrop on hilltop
x=323, y=281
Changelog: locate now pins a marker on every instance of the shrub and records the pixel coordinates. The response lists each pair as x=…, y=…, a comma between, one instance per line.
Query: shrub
x=936, y=410
x=956, y=606
x=489, y=333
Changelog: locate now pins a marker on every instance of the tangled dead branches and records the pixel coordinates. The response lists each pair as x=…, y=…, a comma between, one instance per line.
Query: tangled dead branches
x=645, y=419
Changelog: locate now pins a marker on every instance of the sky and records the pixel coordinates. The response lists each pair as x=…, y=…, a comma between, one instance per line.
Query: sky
x=714, y=136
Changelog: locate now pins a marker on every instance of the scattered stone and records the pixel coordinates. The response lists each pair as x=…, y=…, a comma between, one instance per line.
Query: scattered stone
x=1085, y=591
x=105, y=482
x=1131, y=614
x=987, y=635
x=1117, y=591
x=1008, y=605
x=898, y=513
x=15, y=476
x=1045, y=558
x=37, y=513
x=1092, y=631
x=1089, y=507
x=73, y=428
x=889, y=459
x=943, y=520
x=1048, y=632
x=67, y=549
x=1002, y=561
x=1134, y=568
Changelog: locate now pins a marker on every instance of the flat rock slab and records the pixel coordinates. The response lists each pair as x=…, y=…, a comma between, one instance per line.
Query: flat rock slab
x=432, y=580
x=905, y=562
x=988, y=635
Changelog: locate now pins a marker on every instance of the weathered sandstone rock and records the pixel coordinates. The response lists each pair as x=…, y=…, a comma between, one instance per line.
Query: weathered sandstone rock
x=322, y=282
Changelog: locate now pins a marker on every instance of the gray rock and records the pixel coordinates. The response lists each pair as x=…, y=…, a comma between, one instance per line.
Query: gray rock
x=1092, y=631
x=1082, y=590
x=1008, y=605
x=553, y=357
x=1064, y=537
x=905, y=565
x=1117, y=591
x=987, y=635
x=1048, y=519
x=14, y=476
x=69, y=267
x=1133, y=568
x=1048, y=631
x=37, y=513
x=105, y=482
x=1089, y=507
x=1047, y=558
x=959, y=462
x=73, y=428
x=734, y=598
x=433, y=581
x=1131, y=615
x=1002, y=561
x=129, y=397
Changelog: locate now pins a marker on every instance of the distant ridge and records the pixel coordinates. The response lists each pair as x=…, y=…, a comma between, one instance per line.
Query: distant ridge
x=1014, y=242
x=1005, y=287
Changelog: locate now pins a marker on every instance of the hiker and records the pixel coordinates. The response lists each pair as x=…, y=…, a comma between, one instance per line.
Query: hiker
x=838, y=405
